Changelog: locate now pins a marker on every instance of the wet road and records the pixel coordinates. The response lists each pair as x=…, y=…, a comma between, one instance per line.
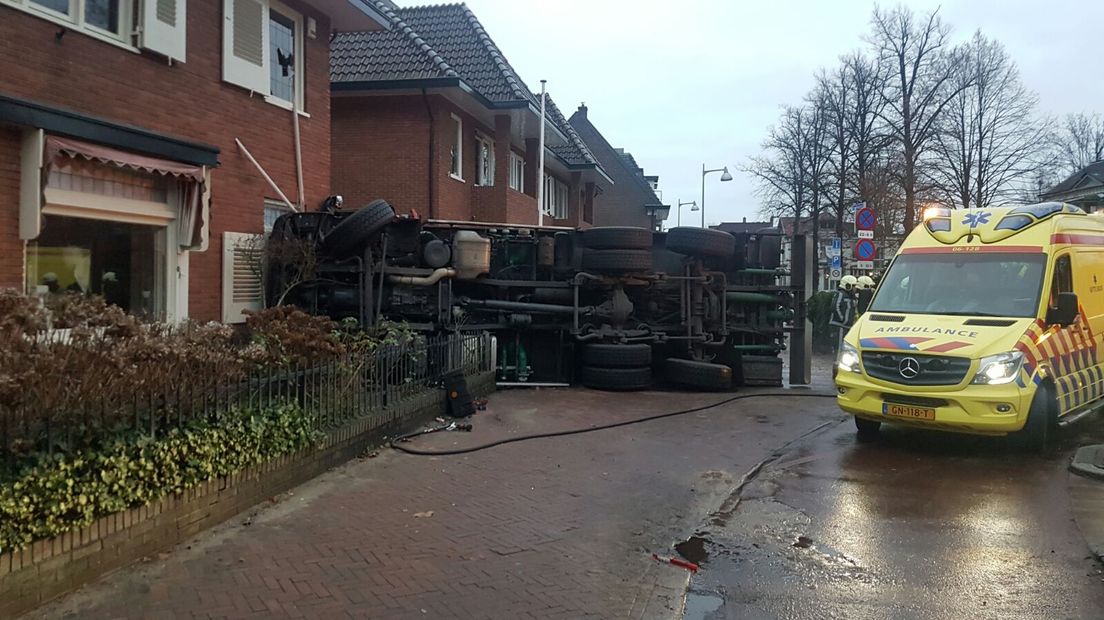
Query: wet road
x=915, y=525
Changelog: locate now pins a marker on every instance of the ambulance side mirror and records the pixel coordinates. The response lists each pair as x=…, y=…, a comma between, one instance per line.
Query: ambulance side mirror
x=1065, y=313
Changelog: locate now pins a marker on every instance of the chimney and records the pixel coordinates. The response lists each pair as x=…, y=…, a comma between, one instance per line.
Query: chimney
x=745, y=219
x=583, y=109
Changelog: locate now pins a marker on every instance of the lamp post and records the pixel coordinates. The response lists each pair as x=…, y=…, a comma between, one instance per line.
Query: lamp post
x=681, y=204
x=725, y=176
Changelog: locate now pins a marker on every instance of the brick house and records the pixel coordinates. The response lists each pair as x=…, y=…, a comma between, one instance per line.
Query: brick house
x=1084, y=188
x=120, y=172
x=431, y=117
x=632, y=201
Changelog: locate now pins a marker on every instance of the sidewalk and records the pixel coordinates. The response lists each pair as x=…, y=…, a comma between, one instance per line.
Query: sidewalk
x=549, y=528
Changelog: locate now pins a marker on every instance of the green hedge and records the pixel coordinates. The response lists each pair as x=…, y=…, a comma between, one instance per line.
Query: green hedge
x=70, y=491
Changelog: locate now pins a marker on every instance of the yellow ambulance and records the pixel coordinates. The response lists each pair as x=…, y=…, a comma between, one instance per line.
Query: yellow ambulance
x=988, y=321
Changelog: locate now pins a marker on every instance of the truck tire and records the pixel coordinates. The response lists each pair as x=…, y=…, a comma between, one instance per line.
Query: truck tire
x=617, y=238
x=355, y=230
x=701, y=242
x=616, y=378
x=617, y=355
x=617, y=261
x=702, y=375
x=1040, y=426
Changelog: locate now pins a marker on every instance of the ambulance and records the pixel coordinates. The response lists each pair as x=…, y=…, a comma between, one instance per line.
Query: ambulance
x=988, y=321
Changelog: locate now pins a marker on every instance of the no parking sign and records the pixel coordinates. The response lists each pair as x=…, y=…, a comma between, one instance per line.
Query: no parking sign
x=864, y=249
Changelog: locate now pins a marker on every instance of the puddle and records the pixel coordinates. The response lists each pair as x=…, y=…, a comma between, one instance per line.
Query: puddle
x=693, y=549
x=700, y=605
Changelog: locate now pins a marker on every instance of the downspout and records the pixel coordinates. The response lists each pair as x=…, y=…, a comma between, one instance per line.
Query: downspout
x=432, y=152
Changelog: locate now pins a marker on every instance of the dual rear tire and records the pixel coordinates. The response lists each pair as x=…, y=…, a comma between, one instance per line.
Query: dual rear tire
x=617, y=366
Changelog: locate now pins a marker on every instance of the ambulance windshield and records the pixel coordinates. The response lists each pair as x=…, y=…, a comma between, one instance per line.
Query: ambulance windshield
x=983, y=284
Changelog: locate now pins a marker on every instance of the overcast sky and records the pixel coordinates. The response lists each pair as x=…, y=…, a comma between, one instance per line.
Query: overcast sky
x=684, y=83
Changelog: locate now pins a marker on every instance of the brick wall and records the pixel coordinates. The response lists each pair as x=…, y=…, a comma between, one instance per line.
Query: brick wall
x=381, y=150
x=186, y=100
x=49, y=568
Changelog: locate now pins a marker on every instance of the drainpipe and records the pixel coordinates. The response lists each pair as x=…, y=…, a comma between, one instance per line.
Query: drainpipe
x=540, y=162
x=432, y=152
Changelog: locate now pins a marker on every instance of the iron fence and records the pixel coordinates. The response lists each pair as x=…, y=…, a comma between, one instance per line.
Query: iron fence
x=352, y=385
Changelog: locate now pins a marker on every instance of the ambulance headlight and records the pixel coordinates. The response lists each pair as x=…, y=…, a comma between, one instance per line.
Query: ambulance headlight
x=848, y=360
x=999, y=369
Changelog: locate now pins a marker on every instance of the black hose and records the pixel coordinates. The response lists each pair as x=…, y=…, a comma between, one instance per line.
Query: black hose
x=394, y=443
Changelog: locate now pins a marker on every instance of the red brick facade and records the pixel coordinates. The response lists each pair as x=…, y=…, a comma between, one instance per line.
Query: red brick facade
x=381, y=147
x=186, y=100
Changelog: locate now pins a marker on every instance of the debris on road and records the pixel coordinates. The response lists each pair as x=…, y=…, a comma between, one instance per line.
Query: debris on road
x=423, y=515
x=690, y=566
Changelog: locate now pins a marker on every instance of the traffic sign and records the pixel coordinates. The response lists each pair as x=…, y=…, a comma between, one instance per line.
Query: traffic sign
x=865, y=234
x=837, y=262
x=864, y=264
x=864, y=249
x=837, y=244
x=857, y=205
x=864, y=219
x=835, y=274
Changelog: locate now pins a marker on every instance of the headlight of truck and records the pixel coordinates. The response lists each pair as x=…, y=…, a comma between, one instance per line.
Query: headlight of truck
x=999, y=369
x=848, y=360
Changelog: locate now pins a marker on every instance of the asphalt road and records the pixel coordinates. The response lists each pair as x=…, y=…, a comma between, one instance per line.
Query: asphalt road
x=915, y=525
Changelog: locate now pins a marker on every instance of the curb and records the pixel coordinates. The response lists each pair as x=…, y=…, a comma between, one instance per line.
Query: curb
x=1088, y=461
x=1087, y=506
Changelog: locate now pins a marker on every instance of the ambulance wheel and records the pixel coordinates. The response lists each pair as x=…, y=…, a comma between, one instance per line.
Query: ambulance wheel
x=867, y=429
x=1040, y=425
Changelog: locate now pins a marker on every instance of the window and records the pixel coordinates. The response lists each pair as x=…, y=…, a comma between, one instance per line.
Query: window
x=283, y=52
x=1062, y=281
x=159, y=25
x=484, y=160
x=124, y=263
x=555, y=197
x=262, y=50
x=273, y=209
x=457, y=149
x=517, y=172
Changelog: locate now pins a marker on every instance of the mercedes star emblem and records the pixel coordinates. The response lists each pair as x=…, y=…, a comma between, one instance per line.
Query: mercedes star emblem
x=909, y=368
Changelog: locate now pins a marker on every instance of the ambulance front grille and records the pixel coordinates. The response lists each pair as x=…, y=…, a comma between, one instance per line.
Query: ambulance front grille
x=933, y=369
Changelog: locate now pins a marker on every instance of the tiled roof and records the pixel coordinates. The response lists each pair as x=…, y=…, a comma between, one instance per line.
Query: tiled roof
x=638, y=174
x=1094, y=171
x=441, y=41
x=742, y=227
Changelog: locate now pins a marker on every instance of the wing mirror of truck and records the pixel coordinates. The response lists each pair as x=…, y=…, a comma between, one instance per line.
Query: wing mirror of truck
x=1065, y=313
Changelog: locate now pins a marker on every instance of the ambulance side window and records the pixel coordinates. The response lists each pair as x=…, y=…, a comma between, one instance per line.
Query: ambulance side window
x=1063, y=279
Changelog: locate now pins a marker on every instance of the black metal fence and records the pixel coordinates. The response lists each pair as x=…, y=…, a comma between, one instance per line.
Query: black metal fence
x=334, y=391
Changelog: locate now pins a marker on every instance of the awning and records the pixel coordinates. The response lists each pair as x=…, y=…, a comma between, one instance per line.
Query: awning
x=57, y=146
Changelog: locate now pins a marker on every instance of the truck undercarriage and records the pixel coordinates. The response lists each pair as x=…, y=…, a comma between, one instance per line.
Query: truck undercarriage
x=610, y=307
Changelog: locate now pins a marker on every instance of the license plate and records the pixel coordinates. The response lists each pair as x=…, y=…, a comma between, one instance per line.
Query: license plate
x=906, y=411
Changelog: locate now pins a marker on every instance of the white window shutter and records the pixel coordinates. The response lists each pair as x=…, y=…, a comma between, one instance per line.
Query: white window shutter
x=241, y=282
x=30, y=183
x=245, y=44
x=164, y=23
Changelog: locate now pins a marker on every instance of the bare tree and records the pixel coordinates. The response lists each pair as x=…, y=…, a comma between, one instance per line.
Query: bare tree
x=1079, y=141
x=920, y=67
x=782, y=173
x=991, y=140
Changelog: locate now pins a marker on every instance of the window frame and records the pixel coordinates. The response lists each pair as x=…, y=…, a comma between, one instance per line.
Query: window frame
x=557, y=198
x=272, y=204
x=484, y=178
x=75, y=20
x=300, y=58
x=456, y=164
x=517, y=172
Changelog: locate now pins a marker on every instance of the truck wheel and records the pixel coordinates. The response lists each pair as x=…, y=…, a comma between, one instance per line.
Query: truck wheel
x=617, y=261
x=1040, y=425
x=867, y=429
x=702, y=375
x=617, y=238
x=701, y=242
x=355, y=230
x=617, y=355
x=616, y=378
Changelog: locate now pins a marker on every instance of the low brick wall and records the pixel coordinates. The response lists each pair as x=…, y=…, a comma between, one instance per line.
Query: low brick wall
x=49, y=568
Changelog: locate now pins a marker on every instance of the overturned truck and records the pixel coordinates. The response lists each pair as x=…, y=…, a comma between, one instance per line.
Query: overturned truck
x=608, y=307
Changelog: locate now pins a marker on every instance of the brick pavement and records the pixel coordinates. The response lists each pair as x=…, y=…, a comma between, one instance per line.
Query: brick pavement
x=541, y=529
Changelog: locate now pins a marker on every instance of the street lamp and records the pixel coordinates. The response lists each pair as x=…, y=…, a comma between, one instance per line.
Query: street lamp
x=724, y=177
x=693, y=207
